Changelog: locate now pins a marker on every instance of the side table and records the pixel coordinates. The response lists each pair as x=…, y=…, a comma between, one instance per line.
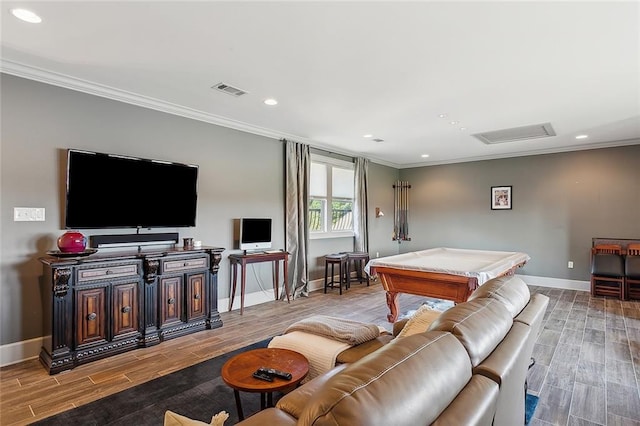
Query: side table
x=243, y=259
x=238, y=371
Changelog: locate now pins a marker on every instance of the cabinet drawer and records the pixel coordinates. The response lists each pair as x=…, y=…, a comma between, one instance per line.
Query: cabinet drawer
x=108, y=272
x=184, y=264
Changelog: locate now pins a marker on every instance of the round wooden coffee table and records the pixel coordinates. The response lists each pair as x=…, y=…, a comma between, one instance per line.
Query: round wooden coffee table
x=238, y=371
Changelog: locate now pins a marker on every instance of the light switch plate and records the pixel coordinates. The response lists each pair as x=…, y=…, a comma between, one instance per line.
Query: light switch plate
x=28, y=214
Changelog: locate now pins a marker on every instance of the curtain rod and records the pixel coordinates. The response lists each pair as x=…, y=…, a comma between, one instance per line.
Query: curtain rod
x=317, y=150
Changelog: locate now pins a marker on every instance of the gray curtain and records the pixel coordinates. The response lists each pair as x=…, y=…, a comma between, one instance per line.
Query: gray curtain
x=360, y=202
x=297, y=166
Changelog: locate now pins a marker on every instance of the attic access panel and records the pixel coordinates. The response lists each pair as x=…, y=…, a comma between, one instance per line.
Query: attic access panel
x=514, y=134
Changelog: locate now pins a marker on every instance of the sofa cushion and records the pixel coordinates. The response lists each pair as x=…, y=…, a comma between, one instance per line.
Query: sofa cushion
x=533, y=313
x=510, y=290
x=479, y=324
x=481, y=393
x=269, y=416
x=356, y=352
x=420, y=321
x=293, y=402
x=399, y=325
x=366, y=392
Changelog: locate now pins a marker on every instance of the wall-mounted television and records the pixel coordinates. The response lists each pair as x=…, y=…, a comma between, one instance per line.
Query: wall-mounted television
x=252, y=233
x=117, y=191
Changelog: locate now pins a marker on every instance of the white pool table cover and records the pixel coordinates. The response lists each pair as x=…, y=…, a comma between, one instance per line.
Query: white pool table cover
x=481, y=264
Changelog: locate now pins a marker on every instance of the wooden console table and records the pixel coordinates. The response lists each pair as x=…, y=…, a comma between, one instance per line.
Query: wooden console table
x=107, y=303
x=243, y=259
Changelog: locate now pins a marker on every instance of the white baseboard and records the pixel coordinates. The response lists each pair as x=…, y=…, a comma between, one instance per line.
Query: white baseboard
x=556, y=283
x=250, y=299
x=259, y=297
x=13, y=353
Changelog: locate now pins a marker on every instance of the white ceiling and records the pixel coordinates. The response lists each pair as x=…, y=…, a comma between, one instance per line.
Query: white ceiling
x=344, y=69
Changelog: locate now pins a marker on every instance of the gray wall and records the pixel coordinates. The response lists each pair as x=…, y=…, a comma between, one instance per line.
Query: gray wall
x=39, y=122
x=381, y=180
x=560, y=202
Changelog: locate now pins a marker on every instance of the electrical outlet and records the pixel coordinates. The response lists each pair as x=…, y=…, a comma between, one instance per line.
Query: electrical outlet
x=377, y=254
x=28, y=214
x=570, y=264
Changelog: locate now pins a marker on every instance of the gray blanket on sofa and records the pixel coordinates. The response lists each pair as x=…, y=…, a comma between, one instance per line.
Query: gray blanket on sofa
x=341, y=329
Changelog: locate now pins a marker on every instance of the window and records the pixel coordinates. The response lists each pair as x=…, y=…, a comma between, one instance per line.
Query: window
x=330, y=197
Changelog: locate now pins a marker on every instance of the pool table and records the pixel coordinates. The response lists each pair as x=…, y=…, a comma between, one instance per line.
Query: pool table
x=442, y=273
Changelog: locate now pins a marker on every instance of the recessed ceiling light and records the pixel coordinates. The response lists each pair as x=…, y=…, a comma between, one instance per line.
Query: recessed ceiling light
x=26, y=15
x=463, y=128
x=443, y=116
x=367, y=136
x=425, y=156
x=582, y=136
x=454, y=122
x=270, y=102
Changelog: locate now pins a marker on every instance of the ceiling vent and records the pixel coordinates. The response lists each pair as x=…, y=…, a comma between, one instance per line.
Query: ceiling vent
x=517, y=134
x=229, y=90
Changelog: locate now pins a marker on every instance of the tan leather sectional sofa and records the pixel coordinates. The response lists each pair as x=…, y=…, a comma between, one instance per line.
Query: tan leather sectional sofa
x=468, y=368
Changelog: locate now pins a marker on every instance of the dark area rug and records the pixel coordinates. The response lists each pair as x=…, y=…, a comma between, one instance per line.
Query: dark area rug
x=197, y=392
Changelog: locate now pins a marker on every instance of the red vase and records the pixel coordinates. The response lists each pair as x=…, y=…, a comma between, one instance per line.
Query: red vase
x=72, y=242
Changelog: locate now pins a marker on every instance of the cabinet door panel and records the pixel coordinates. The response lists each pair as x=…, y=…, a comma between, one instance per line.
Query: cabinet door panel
x=125, y=308
x=91, y=316
x=196, y=296
x=170, y=300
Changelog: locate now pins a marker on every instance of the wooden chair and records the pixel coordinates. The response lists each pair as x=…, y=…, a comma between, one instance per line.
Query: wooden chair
x=339, y=259
x=359, y=260
x=632, y=271
x=607, y=271
x=607, y=249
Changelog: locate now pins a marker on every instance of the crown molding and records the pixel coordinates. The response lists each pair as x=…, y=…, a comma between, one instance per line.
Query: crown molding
x=73, y=83
x=96, y=89
x=609, y=144
x=62, y=80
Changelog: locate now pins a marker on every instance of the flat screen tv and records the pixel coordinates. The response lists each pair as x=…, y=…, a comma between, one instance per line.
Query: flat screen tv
x=253, y=233
x=116, y=191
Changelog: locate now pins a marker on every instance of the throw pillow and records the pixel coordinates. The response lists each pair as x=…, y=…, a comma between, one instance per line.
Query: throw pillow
x=175, y=419
x=420, y=321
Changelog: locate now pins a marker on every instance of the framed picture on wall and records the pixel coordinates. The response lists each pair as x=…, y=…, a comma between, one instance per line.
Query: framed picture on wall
x=501, y=198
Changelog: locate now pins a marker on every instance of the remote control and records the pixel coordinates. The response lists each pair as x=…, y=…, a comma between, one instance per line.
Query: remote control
x=263, y=376
x=273, y=372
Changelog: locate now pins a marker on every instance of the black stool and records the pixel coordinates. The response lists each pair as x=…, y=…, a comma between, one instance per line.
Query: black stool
x=339, y=259
x=359, y=259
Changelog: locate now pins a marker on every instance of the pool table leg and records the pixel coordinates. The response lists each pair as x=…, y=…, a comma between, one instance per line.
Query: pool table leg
x=392, y=303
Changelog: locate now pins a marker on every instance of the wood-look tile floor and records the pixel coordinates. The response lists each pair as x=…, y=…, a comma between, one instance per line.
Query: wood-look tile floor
x=587, y=369
x=586, y=372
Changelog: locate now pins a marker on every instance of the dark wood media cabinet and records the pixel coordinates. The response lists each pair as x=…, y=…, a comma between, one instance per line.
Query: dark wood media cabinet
x=105, y=304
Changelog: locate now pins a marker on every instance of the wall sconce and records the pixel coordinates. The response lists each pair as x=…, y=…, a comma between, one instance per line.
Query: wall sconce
x=379, y=212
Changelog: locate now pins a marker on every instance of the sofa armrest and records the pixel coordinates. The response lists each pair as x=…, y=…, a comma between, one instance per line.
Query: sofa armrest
x=294, y=402
x=508, y=366
x=270, y=416
x=474, y=405
x=508, y=356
